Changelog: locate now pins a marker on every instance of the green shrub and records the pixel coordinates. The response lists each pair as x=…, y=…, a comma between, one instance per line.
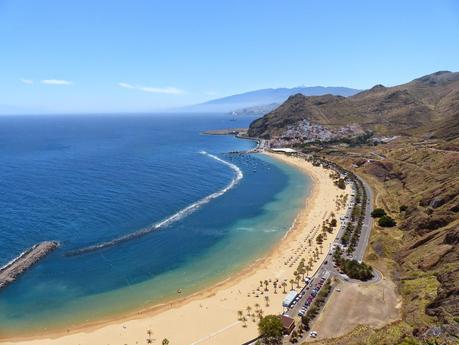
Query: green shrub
x=378, y=212
x=271, y=329
x=356, y=270
x=386, y=222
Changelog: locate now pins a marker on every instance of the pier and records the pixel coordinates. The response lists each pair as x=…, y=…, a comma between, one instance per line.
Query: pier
x=240, y=133
x=17, y=266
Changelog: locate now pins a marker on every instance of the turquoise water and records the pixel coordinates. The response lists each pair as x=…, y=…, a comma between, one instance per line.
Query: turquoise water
x=92, y=180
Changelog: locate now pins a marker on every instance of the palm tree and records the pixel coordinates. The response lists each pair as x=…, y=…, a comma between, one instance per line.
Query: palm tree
x=244, y=322
x=149, y=340
x=267, y=300
x=240, y=314
x=257, y=307
x=260, y=314
x=165, y=341
x=275, y=287
x=302, y=271
x=261, y=283
x=266, y=285
x=291, y=283
x=249, y=309
x=297, y=278
x=284, y=285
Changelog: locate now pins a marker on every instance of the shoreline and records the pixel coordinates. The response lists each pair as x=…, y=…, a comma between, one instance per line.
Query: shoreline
x=240, y=278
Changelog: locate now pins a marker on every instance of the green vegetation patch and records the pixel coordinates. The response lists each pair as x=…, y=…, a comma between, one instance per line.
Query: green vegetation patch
x=378, y=212
x=418, y=290
x=387, y=222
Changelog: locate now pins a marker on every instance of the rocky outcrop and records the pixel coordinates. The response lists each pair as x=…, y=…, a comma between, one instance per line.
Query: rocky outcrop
x=447, y=300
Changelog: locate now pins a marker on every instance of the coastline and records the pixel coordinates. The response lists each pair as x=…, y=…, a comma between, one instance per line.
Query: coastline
x=220, y=298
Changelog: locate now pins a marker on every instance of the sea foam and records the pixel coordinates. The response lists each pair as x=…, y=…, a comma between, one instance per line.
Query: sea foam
x=171, y=219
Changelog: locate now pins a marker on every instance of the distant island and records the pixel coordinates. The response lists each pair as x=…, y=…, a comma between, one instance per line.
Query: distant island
x=259, y=102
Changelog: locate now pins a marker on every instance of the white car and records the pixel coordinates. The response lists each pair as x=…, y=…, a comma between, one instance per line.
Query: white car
x=313, y=334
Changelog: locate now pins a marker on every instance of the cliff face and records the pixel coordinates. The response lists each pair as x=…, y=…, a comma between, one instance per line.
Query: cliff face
x=429, y=105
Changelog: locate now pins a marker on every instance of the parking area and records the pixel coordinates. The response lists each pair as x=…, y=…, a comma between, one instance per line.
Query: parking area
x=305, y=297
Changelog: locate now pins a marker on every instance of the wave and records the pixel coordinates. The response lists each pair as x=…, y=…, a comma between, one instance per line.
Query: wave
x=173, y=218
x=9, y=263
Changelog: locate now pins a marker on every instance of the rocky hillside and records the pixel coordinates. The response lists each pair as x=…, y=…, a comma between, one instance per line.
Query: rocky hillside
x=415, y=176
x=417, y=183
x=428, y=106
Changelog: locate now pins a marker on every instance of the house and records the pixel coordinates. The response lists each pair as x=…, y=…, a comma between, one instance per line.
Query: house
x=288, y=323
x=284, y=150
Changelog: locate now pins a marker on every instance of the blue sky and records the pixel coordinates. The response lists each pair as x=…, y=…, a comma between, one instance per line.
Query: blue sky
x=115, y=56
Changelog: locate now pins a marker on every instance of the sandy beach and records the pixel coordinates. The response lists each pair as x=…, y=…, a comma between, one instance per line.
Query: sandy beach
x=211, y=316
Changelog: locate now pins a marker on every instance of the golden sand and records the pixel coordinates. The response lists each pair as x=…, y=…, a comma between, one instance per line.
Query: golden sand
x=211, y=316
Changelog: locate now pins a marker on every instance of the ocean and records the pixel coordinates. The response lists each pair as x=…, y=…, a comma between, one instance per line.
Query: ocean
x=142, y=205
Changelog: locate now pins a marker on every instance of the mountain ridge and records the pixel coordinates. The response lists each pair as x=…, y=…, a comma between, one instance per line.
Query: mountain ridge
x=264, y=97
x=428, y=103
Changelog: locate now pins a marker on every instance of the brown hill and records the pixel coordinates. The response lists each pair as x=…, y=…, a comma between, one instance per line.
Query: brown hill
x=427, y=106
x=417, y=183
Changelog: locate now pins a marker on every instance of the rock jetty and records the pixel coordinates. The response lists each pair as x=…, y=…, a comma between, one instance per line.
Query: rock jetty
x=17, y=266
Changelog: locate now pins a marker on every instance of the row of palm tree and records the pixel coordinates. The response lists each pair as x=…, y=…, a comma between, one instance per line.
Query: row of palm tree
x=256, y=314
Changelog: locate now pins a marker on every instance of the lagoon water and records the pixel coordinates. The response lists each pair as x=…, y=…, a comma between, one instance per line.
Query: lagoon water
x=90, y=180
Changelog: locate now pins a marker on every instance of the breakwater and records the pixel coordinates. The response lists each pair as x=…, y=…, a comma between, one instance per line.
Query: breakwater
x=173, y=218
x=17, y=266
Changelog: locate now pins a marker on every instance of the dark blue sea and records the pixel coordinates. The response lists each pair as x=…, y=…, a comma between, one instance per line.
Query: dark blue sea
x=148, y=204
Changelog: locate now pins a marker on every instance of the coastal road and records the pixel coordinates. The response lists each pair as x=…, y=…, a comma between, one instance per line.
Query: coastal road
x=367, y=223
x=327, y=268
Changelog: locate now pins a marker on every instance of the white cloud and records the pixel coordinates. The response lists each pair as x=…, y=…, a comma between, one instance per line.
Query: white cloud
x=164, y=90
x=126, y=85
x=27, y=81
x=56, y=82
x=168, y=90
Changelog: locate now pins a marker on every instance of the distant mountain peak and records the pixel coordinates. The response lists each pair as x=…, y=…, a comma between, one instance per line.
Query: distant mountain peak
x=378, y=87
x=429, y=104
x=264, y=97
x=439, y=77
